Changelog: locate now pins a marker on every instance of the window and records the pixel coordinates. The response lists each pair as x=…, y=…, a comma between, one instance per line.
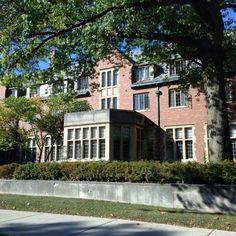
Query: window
x=177, y=98
x=53, y=150
x=82, y=84
x=233, y=139
x=143, y=73
x=141, y=101
x=121, y=143
x=110, y=102
x=32, y=148
x=109, y=78
x=177, y=66
x=86, y=143
x=179, y=143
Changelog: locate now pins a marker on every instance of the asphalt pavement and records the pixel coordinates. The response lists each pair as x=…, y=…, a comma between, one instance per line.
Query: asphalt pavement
x=14, y=223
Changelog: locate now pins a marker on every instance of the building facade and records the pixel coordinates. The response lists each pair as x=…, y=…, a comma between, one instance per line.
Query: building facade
x=156, y=118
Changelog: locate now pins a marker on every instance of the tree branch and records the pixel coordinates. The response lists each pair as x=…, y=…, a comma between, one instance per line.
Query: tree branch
x=145, y=4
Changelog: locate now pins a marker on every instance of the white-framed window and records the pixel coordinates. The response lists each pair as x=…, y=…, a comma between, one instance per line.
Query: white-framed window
x=233, y=139
x=177, y=66
x=32, y=148
x=143, y=73
x=179, y=143
x=53, y=150
x=86, y=143
x=177, y=98
x=81, y=84
x=109, y=78
x=141, y=101
x=109, y=88
x=109, y=102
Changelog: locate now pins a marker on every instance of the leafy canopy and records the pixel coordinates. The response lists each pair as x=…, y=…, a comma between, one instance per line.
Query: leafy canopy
x=83, y=31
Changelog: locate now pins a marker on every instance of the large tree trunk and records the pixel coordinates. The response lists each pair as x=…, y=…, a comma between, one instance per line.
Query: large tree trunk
x=217, y=116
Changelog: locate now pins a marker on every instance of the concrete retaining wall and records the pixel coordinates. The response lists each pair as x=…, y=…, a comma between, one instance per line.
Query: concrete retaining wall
x=205, y=198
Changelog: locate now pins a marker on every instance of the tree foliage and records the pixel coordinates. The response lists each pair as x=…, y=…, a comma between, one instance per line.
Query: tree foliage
x=84, y=31
x=15, y=113
x=22, y=118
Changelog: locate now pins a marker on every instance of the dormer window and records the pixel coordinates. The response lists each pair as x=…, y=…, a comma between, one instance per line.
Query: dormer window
x=143, y=73
x=82, y=84
x=177, y=66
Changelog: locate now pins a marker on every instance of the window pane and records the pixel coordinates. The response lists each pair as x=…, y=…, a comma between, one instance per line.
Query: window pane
x=77, y=133
x=117, y=133
x=101, y=132
x=171, y=98
x=93, y=148
x=115, y=102
x=232, y=131
x=178, y=98
x=179, y=147
x=179, y=133
x=146, y=97
x=189, y=149
x=70, y=150
x=70, y=134
x=183, y=99
x=188, y=133
x=77, y=149
x=85, y=149
x=47, y=142
x=102, y=148
x=115, y=77
x=103, y=105
x=53, y=154
x=126, y=132
x=109, y=78
x=93, y=132
x=103, y=79
x=136, y=107
x=108, y=103
x=59, y=153
x=85, y=133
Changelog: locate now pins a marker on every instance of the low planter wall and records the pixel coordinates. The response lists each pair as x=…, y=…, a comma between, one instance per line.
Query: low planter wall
x=219, y=198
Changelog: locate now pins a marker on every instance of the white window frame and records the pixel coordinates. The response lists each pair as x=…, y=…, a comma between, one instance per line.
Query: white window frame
x=89, y=139
x=143, y=73
x=183, y=97
x=184, y=140
x=142, y=98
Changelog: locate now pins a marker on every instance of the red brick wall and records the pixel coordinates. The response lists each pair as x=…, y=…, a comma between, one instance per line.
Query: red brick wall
x=194, y=114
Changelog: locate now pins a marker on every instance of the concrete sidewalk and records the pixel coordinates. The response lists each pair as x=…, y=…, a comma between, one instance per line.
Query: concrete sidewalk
x=34, y=223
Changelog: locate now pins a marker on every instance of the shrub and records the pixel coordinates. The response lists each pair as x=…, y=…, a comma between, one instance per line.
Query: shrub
x=6, y=171
x=138, y=171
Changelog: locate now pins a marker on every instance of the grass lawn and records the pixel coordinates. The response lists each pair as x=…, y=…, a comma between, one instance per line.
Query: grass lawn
x=83, y=207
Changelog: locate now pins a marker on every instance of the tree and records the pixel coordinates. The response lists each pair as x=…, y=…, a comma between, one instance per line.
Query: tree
x=15, y=113
x=50, y=120
x=85, y=31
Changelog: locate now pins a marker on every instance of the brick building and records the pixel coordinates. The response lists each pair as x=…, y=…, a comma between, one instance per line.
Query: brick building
x=157, y=120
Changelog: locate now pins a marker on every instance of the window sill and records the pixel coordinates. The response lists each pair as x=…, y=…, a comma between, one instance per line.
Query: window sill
x=147, y=110
x=178, y=107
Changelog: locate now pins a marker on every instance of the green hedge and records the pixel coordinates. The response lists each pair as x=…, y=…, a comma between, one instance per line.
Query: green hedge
x=141, y=171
